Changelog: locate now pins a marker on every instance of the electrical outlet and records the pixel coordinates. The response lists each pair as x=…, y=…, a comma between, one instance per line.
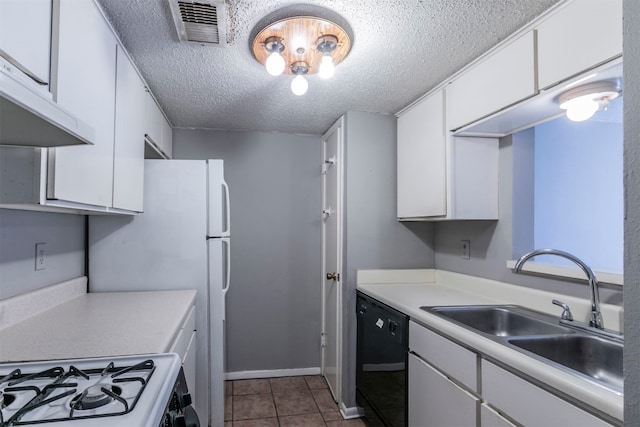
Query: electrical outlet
x=465, y=249
x=41, y=256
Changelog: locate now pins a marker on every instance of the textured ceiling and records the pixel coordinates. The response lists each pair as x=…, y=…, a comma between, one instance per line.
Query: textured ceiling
x=401, y=49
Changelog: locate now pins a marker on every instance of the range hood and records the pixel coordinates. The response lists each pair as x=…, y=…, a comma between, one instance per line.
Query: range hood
x=28, y=118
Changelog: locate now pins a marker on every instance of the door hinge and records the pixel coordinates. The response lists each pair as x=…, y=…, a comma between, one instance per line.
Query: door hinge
x=323, y=340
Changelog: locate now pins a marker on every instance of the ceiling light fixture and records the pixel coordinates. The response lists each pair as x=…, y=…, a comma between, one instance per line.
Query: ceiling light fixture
x=582, y=102
x=299, y=46
x=275, y=63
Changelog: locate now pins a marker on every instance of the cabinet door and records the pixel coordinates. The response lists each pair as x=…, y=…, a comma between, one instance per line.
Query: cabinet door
x=473, y=169
x=85, y=86
x=421, y=159
x=128, y=155
x=435, y=401
x=503, y=78
x=189, y=366
x=153, y=121
x=528, y=404
x=167, y=138
x=25, y=35
x=579, y=36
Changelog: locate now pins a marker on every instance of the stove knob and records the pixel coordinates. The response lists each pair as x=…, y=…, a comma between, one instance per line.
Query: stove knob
x=185, y=400
x=178, y=421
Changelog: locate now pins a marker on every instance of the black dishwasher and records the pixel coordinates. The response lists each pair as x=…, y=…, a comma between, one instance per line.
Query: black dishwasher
x=381, y=371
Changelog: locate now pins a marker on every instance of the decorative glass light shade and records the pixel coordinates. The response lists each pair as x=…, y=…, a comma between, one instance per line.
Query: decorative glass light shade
x=582, y=102
x=580, y=109
x=299, y=85
x=275, y=64
x=327, y=69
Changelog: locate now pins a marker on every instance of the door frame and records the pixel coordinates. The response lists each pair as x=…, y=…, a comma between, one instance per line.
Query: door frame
x=337, y=127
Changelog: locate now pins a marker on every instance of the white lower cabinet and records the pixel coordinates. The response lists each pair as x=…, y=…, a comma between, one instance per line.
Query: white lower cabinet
x=528, y=404
x=184, y=346
x=436, y=401
x=451, y=385
x=442, y=381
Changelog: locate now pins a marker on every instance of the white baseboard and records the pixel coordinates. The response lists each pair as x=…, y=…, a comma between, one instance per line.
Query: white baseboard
x=250, y=375
x=349, y=413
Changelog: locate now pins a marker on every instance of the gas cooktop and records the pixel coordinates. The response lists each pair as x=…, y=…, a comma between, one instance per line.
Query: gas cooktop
x=118, y=391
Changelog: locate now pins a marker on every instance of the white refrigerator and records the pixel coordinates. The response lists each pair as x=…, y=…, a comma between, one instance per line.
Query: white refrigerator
x=181, y=241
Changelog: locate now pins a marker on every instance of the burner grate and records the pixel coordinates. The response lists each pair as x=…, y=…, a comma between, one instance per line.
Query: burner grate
x=88, y=393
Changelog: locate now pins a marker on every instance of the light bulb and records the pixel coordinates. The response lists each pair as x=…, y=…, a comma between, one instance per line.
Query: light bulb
x=326, y=69
x=275, y=64
x=299, y=85
x=581, y=108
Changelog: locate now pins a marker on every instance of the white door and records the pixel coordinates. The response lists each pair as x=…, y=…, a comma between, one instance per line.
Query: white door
x=332, y=258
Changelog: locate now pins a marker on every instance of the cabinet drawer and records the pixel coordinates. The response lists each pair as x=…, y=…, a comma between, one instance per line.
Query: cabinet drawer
x=532, y=406
x=181, y=343
x=452, y=359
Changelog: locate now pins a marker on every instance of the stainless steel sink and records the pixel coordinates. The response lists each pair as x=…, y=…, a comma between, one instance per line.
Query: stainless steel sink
x=597, y=358
x=501, y=321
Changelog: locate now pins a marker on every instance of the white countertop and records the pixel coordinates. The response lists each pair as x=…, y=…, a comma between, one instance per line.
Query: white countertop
x=408, y=290
x=94, y=325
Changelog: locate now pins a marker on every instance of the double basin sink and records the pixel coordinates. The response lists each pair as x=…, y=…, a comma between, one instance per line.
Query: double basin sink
x=541, y=336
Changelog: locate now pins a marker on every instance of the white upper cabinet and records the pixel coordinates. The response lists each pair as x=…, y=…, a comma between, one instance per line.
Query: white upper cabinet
x=128, y=157
x=472, y=186
x=579, y=36
x=25, y=36
x=442, y=177
x=153, y=120
x=422, y=160
x=167, y=138
x=158, y=131
x=497, y=81
x=85, y=85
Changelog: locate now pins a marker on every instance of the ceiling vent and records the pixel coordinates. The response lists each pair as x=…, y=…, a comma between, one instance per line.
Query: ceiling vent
x=201, y=21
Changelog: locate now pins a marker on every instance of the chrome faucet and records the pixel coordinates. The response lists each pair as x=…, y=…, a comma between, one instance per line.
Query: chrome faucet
x=595, y=319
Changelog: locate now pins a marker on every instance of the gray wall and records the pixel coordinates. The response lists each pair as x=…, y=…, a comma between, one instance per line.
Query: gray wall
x=631, y=14
x=491, y=242
x=19, y=233
x=273, y=306
x=373, y=236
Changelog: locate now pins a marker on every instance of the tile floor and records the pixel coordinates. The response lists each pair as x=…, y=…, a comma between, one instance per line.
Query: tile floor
x=283, y=402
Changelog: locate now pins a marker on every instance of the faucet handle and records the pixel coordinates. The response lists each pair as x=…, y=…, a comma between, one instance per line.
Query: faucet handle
x=566, y=311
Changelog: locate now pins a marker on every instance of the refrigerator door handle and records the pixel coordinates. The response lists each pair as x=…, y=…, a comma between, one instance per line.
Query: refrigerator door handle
x=225, y=289
x=227, y=231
